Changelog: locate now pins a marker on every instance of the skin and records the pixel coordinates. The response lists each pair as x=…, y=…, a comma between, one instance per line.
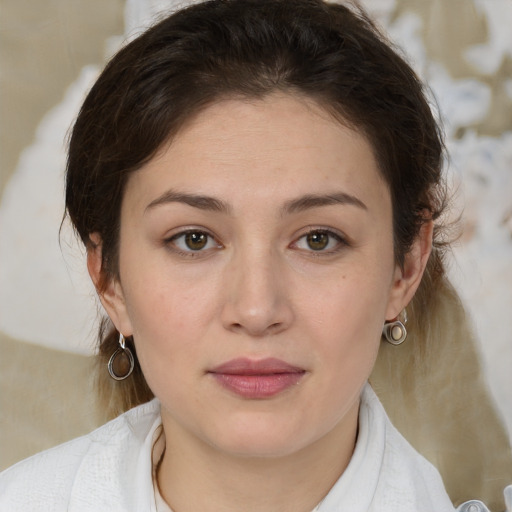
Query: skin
x=259, y=288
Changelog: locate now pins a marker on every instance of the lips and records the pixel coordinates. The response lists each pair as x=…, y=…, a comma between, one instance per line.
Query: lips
x=260, y=379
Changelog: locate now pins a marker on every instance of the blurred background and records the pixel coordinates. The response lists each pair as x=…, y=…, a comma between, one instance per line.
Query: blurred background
x=50, y=53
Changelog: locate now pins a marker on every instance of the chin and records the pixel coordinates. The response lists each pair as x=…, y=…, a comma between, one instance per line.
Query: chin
x=257, y=440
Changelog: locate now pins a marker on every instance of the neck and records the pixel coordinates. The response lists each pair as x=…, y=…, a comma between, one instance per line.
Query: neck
x=194, y=476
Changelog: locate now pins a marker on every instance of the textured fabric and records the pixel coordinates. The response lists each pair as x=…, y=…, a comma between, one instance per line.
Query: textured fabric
x=385, y=473
x=107, y=470
x=111, y=470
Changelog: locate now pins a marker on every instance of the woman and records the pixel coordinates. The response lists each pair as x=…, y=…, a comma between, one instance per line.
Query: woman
x=258, y=186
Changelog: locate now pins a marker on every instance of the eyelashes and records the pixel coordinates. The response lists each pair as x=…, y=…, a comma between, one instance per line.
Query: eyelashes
x=198, y=242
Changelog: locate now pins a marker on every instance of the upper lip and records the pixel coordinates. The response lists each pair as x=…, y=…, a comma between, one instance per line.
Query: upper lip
x=246, y=366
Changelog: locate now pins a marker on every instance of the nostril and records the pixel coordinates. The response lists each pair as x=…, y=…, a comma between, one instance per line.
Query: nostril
x=257, y=331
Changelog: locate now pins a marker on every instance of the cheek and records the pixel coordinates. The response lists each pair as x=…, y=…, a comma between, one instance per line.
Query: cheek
x=346, y=319
x=163, y=313
x=170, y=315
x=163, y=344
x=161, y=295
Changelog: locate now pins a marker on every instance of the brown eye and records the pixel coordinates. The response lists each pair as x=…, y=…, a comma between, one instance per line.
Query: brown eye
x=193, y=242
x=321, y=241
x=196, y=241
x=317, y=240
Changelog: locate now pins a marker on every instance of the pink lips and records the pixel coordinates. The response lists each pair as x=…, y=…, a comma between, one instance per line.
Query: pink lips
x=257, y=379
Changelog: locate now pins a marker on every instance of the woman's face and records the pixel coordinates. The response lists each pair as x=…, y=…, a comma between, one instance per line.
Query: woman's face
x=256, y=272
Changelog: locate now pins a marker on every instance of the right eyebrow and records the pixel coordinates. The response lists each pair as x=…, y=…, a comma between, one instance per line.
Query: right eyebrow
x=197, y=201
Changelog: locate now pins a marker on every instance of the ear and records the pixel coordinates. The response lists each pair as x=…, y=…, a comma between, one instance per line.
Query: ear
x=407, y=278
x=108, y=287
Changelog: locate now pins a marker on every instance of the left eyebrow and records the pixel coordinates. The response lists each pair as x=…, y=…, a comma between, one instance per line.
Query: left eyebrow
x=314, y=201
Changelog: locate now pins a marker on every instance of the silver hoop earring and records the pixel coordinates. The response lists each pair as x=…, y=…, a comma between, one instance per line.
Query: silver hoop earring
x=395, y=332
x=121, y=363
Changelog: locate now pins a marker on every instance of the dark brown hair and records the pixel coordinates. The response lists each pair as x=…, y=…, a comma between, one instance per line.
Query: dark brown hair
x=220, y=49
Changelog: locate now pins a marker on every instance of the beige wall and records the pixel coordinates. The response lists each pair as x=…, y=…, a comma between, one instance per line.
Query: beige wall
x=45, y=395
x=44, y=44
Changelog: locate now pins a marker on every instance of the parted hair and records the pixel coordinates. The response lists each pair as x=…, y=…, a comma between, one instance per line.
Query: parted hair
x=330, y=53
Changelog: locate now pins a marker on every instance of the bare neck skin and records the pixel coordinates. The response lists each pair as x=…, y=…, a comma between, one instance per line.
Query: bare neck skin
x=195, y=477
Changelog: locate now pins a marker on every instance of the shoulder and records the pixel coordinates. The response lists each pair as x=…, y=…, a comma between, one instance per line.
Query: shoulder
x=385, y=474
x=48, y=480
x=405, y=474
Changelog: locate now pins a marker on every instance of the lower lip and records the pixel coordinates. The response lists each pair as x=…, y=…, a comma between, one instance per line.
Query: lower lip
x=258, y=386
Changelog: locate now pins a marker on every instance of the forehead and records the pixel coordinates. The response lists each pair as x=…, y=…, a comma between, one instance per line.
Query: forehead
x=277, y=145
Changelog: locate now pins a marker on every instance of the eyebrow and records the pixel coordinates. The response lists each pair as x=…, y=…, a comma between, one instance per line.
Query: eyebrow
x=197, y=201
x=298, y=205
x=314, y=201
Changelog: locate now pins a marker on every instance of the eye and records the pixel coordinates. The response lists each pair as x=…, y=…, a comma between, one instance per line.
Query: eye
x=320, y=240
x=193, y=241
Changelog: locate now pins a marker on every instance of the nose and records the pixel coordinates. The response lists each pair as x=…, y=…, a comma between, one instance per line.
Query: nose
x=257, y=297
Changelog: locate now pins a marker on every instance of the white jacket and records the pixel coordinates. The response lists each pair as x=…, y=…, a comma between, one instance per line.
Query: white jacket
x=111, y=470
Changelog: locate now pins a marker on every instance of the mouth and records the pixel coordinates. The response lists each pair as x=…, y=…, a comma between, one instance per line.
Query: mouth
x=260, y=379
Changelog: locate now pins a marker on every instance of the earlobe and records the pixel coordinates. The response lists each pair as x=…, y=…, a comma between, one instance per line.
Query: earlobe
x=108, y=288
x=408, y=277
